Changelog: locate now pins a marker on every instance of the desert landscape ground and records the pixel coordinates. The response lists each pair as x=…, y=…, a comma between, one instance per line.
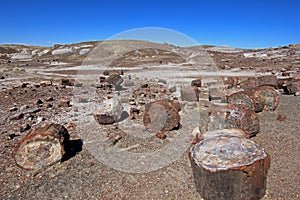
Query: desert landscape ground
x=62, y=83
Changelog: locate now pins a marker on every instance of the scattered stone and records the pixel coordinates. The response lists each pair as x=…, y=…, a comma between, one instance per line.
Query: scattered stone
x=68, y=82
x=102, y=79
x=113, y=72
x=33, y=110
x=281, y=117
x=108, y=111
x=17, y=116
x=173, y=89
x=161, y=135
x=24, y=107
x=13, y=109
x=146, y=85
x=45, y=83
x=162, y=81
x=24, y=127
x=161, y=115
x=196, y=82
x=49, y=99
x=42, y=147
x=64, y=103
x=12, y=136
x=114, y=79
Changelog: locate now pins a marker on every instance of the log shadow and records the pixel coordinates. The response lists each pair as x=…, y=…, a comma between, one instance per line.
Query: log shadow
x=72, y=147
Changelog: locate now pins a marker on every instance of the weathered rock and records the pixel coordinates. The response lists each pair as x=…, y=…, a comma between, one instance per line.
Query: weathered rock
x=267, y=97
x=114, y=79
x=258, y=99
x=267, y=80
x=234, y=116
x=108, y=111
x=42, y=147
x=196, y=82
x=229, y=167
x=161, y=115
x=46, y=83
x=102, y=79
x=161, y=135
x=173, y=89
x=281, y=117
x=292, y=87
x=67, y=82
x=113, y=72
x=189, y=94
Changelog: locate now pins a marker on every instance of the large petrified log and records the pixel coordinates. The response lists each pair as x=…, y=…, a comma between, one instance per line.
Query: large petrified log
x=161, y=115
x=42, y=147
x=234, y=116
x=258, y=99
x=229, y=167
x=109, y=111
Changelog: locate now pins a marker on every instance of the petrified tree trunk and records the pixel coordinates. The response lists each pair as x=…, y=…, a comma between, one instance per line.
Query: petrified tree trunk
x=229, y=167
x=258, y=99
x=234, y=116
x=161, y=115
x=42, y=147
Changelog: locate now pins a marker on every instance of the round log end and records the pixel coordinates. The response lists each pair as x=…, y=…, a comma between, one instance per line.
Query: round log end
x=42, y=147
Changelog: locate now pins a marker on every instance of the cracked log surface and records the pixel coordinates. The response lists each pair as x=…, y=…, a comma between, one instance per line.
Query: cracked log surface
x=42, y=147
x=229, y=167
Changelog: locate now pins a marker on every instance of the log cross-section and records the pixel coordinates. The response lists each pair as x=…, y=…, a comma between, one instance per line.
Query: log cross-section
x=42, y=147
x=229, y=167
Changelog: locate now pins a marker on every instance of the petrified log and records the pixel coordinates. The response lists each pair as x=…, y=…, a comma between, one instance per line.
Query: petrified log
x=114, y=79
x=196, y=82
x=292, y=87
x=267, y=97
x=234, y=116
x=108, y=111
x=229, y=167
x=161, y=115
x=42, y=147
x=189, y=93
x=258, y=99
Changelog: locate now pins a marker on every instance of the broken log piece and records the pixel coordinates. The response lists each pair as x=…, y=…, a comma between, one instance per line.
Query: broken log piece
x=114, y=79
x=196, y=82
x=268, y=95
x=267, y=80
x=258, y=99
x=42, y=147
x=243, y=98
x=161, y=115
x=190, y=93
x=108, y=111
x=229, y=167
x=292, y=87
x=234, y=116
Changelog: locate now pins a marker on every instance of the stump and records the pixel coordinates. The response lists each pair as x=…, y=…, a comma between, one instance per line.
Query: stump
x=161, y=115
x=42, y=147
x=234, y=116
x=229, y=167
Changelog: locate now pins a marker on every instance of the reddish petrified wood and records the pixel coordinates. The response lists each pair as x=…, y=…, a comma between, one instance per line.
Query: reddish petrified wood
x=258, y=99
x=161, y=114
x=292, y=87
x=234, y=116
x=229, y=167
x=42, y=147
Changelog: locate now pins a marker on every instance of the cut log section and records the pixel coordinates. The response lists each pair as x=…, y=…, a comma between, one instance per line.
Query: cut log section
x=42, y=147
x=268, y=95
x=229, y=167
x=234, y=116
x=161, y=115
x=258, y=99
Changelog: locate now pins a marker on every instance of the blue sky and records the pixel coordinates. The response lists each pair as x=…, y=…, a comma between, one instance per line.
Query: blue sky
x=245, y=24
